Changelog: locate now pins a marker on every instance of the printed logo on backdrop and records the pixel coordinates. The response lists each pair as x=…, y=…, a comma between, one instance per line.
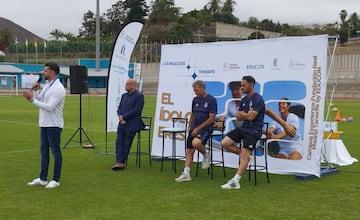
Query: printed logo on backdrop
x=275, y=65
x=296, y=65
x=231, y=67
x=203, y=72
x=118, y=68
x=174, y=63
x=178, y=64
x=121, y=56
x=206, y=72
x=316, y=97
x=255, y=66
x=122, y=51
x=194, y=75
x=127, y=37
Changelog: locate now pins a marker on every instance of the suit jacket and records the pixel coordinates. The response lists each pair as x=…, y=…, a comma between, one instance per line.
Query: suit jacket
x=130, y=107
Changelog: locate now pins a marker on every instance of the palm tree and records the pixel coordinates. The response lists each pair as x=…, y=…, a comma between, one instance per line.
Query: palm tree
x=57, y=34
x=68, y=36
x=214, y=6
x=228, y=7
x=343, y=15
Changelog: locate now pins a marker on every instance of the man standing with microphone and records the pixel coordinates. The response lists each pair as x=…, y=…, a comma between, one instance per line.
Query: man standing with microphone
x=50, y=101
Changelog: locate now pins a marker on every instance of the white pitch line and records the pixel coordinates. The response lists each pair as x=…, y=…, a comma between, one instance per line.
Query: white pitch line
x=17, y=151
x=37, y=149
x=18, y=122
x=33, y=124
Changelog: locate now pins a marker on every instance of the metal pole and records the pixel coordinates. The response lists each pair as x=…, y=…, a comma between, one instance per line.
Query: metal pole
x=61, y=52
x=97, y=52
x=80, y=120
x=328, y=74
x=27, y=57
x=36, y=54
x=17, y=53
x=146, y=42
x=44, y=52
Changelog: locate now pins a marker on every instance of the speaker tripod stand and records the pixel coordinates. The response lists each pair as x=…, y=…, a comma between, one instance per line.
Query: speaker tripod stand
x=81, y=131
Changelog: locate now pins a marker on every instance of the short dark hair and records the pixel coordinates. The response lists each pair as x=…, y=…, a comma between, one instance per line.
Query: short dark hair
x=286, y=99
x=53, y=66
x=234, y=85
x=249, y=79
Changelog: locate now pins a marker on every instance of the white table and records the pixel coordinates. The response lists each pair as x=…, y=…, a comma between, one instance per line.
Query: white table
x=335, y=152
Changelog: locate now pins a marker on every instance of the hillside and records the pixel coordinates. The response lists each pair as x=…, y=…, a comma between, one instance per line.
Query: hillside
x=21, y=33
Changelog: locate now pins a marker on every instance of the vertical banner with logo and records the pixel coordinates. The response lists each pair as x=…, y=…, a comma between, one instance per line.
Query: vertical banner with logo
x=118, y=71
x=289, y=67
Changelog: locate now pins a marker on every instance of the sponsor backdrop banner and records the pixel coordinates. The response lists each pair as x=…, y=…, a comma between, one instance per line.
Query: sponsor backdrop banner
x=118, y=71
x=291, y=67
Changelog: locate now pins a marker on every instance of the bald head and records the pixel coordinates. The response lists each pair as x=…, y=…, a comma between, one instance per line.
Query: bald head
x=130, y=85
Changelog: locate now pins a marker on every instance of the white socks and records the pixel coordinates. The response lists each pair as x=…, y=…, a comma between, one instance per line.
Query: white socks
x=187, y=170
x=237, y=178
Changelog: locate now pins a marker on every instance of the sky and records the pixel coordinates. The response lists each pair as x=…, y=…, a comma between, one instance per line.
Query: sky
x=43, y=16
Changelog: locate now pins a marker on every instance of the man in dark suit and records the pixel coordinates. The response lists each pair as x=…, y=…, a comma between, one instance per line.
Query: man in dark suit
x=129, y=113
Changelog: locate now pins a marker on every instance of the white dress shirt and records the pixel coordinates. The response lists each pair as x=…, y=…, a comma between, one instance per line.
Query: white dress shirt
x=51, y=102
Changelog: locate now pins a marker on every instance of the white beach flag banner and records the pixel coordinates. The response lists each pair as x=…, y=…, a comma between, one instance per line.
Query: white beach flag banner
x=291, y=67
x=118, y=71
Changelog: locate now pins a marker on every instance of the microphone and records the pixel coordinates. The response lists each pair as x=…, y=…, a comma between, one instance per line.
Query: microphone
x=36, y=85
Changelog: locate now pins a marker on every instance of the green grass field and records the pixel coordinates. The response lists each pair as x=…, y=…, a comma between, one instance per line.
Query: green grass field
x=91, y=190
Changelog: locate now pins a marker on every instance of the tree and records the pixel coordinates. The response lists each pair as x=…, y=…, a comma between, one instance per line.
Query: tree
x=269, y=25
x=180, y=33
x=136, y=10
x=253, y=22
x=56, y=34
x=256, y=35
x=287, y=30
x=116, y=17
x=158, y=35
x=226, y=13
x=6, y=38
x=190, y=19
x=353, y=24
x=214, y=6
x=344, y=30
x=343, y=15
x=228, y=7
x=330, y=29
x=69, y=36
x=88, y=28
x=163, y=12
x=204, y=17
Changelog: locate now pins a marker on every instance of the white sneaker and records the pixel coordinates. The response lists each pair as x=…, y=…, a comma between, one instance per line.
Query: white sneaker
x=52, y=184
x=231, y=184
x=37, y=181
x=206, y=161
x=183, y=178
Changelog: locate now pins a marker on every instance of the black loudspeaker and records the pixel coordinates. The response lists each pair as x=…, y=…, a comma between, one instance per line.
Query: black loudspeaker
x=79, y=80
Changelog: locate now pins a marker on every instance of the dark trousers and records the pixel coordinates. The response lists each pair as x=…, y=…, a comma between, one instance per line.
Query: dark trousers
x=123, y=144
x=50, y=138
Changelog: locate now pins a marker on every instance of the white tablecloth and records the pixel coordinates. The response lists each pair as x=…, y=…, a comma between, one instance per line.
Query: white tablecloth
x=335, y=152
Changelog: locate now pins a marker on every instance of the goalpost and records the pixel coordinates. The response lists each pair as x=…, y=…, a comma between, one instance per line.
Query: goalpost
x=9, y=85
